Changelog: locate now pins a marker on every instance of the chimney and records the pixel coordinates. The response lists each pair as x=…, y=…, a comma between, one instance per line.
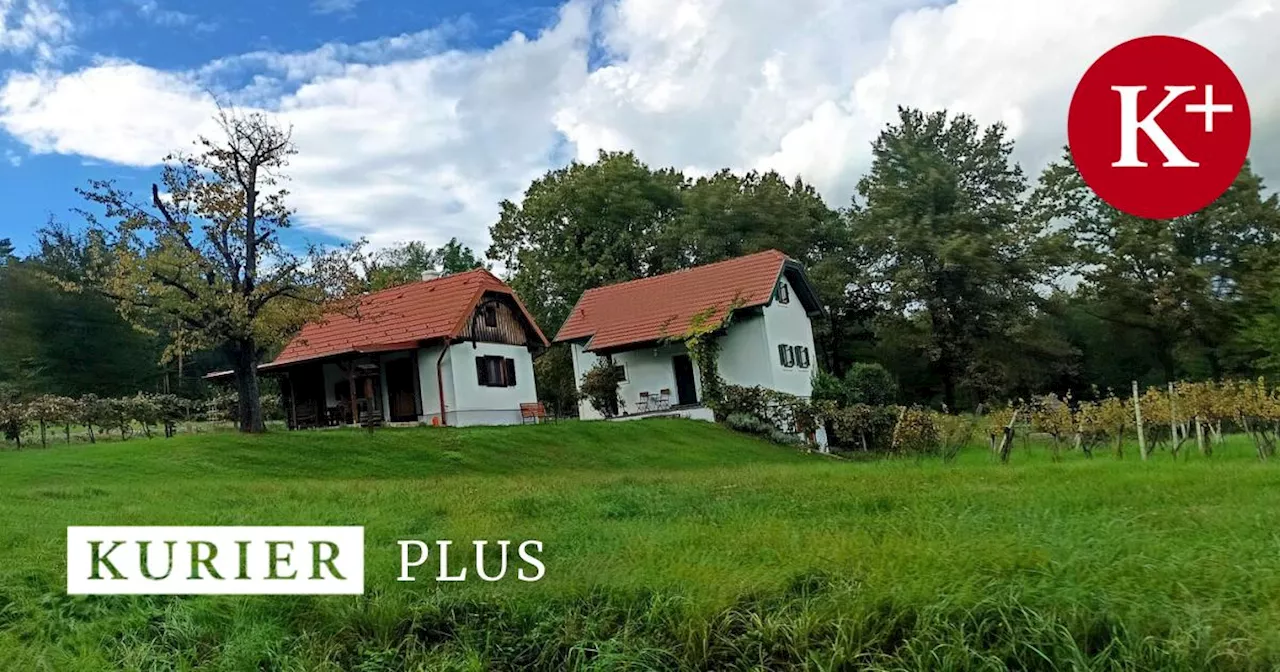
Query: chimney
x=431, y=275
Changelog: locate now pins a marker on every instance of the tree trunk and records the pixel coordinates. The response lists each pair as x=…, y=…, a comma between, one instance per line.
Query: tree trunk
x=1200, y=437
x=68, y=428
x=43, y=443
x=92, y=439
x=250, y=397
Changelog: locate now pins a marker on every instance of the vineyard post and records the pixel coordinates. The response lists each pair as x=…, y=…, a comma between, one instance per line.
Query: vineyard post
x=1137, y=417
x=1006, y=439
x=1174, y=444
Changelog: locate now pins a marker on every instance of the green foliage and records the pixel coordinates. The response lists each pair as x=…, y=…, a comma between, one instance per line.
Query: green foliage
x=202, y=257
x=749, y=424
x=407, y=262
x=863, y=383
x=702, y=340
x=940, y=217
x=14, y=418
x=1181, y=285
x=600, y=387
x=865, y=428
x=54, y=341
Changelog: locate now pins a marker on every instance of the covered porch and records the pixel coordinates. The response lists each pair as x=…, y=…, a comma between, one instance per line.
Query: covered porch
x=658, y=379
x=366, y=388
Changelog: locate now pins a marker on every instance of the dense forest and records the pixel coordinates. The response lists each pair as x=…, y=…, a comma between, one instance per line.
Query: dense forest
x=948, y=267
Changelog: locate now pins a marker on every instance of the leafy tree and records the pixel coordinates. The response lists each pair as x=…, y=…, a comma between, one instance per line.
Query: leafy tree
x=54, y=341
x=205, y=256
x=939, y=220
x=407, y=262
x=584, y=226
x=6, y=250
x=1179, y=283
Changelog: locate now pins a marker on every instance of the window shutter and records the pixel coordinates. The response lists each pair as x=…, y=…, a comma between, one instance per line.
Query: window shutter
x=482, y=371
x=782, y=354
x=510, y=366
x=791, y=355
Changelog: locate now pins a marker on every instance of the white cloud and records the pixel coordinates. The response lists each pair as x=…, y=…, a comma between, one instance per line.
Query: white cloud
x=803, y=87
x=404, y=138
x=36, y=27
x=152, y=11
x=116, y=111
x=333, y=6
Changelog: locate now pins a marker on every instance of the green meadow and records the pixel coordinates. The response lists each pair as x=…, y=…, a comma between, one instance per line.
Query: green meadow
x=668, y=545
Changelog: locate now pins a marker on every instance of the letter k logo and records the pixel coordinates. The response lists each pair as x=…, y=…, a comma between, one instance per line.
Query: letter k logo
x=1136, y=134
x=1130, y=125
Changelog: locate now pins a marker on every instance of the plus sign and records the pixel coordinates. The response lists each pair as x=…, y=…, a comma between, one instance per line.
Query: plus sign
x=1208, y=109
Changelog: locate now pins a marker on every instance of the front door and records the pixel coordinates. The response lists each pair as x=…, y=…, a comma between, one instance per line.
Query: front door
x=400, y=389
x=686, y=388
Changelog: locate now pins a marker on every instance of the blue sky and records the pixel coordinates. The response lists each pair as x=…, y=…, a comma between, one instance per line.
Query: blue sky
x=415, y=119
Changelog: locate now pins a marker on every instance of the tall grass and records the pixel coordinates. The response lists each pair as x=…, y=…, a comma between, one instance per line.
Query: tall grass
x=669, y=545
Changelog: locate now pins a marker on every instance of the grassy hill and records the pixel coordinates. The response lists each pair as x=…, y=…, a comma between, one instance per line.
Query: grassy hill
x=668, y=544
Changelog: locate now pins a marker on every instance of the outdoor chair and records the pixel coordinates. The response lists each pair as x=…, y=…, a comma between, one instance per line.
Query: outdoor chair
x=643, y=405
x=664, y=400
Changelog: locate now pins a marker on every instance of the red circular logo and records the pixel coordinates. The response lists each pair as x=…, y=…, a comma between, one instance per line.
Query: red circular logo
x=1159, y=127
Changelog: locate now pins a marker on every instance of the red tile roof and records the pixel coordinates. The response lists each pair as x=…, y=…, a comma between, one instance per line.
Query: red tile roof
x=399, y=317
x=651, y=309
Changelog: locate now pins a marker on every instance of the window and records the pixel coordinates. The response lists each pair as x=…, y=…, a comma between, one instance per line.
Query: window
x=622, y=372
x=783, y=293
x=786, y=356
x=802, y=356
x=496, y=371
x=490, y=313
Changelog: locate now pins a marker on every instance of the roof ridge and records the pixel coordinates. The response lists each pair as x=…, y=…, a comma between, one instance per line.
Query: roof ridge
x=411, y=283
x=685, y=270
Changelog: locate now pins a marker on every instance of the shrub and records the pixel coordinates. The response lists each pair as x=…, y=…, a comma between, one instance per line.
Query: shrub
x=748, y=424
x=870, y=384
x=51, y=410
x=600, y=387
x=915, y=433
x=91, y=411
x=14, y=419
x=827, y=387
x=863, y=427
x=954, y=433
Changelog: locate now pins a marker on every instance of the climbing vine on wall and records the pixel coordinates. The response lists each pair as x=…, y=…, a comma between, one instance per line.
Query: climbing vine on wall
x=702, y=339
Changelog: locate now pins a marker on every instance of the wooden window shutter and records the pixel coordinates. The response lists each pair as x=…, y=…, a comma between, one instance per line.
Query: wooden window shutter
x=482, y=371
x=784, y=353
x=510, y=366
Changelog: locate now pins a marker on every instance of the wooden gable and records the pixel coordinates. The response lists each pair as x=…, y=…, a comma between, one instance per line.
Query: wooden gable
x=496, y=319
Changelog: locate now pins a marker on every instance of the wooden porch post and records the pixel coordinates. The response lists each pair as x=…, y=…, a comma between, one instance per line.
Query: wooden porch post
x=351, y=386
x=293, y=404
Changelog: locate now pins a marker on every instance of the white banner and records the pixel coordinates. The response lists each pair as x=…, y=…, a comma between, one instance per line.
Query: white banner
x=215, y=560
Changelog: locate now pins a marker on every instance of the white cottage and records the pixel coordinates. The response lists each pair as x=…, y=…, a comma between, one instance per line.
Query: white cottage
x=456, y=350
x=768, y=340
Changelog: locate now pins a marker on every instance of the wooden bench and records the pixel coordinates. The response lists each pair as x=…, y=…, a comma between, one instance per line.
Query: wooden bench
x=536, y=412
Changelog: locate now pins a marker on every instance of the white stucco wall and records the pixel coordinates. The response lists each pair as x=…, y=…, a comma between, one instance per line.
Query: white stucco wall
x=787, y=323
x=469, y=402
x=745, y=352
x=427, y=379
